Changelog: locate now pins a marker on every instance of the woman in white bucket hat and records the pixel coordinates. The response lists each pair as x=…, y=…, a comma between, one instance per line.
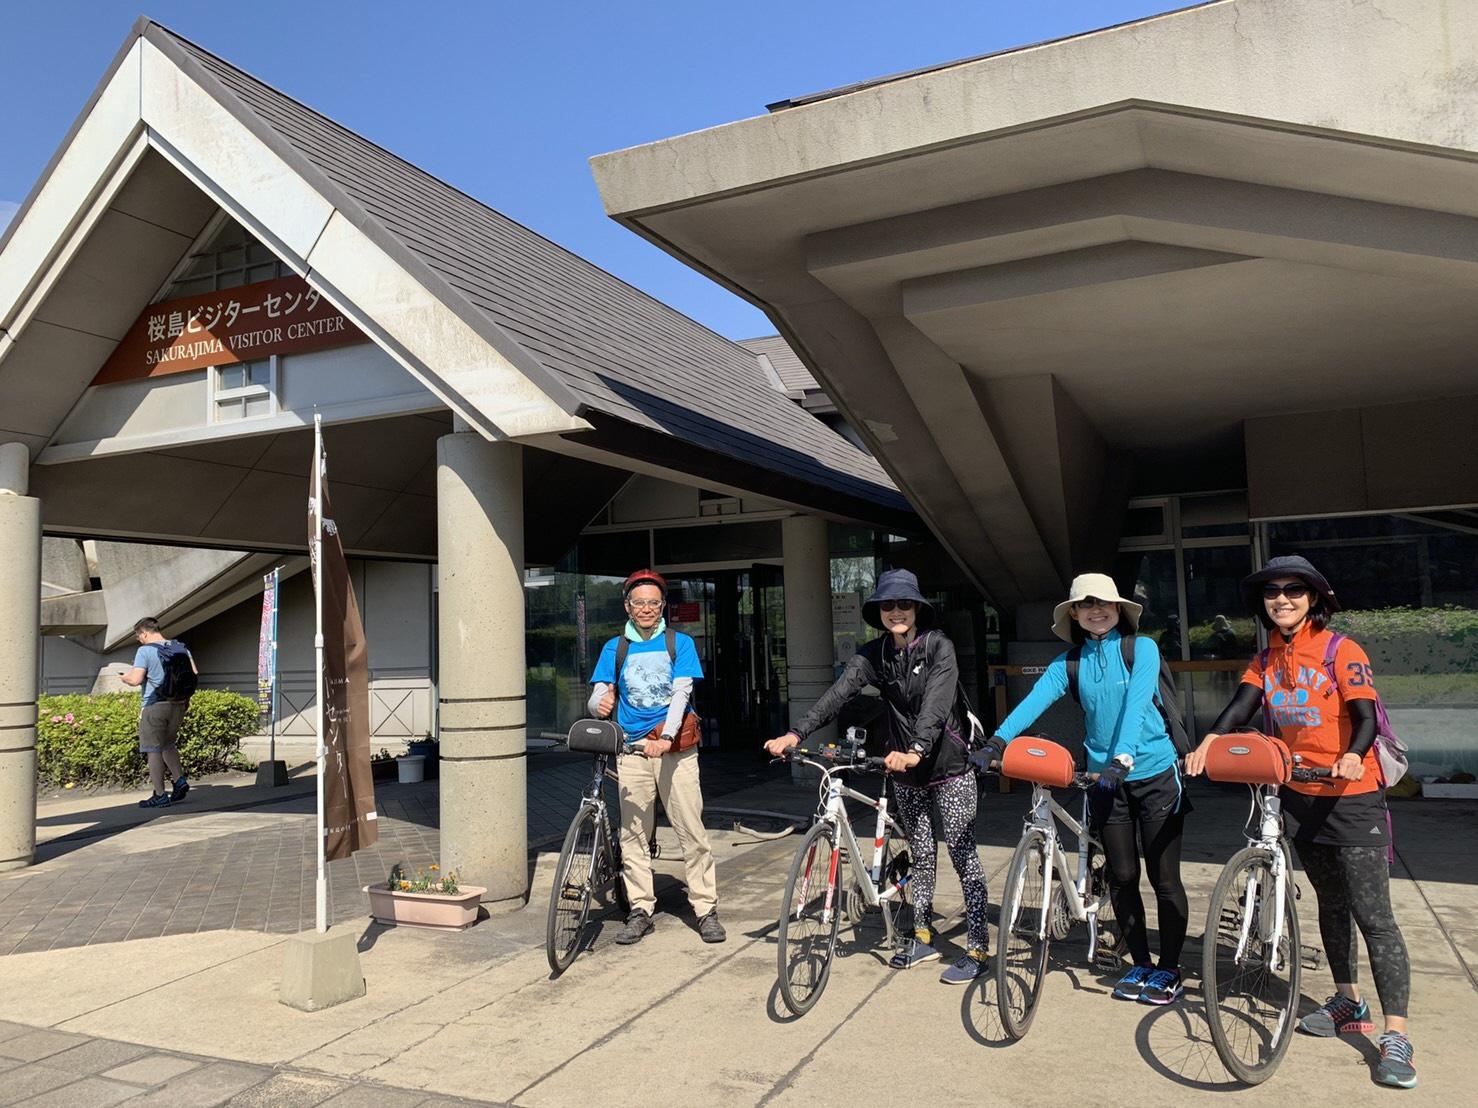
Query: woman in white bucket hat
x=1138, y=798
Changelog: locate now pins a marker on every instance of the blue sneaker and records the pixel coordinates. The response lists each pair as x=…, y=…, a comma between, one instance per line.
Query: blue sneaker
x=912, y=953
x=158, y=800
x=1162, y=987
x=1339, y=1016
x=181, y=787
x=1132, y=983
x=967, y=968
x=1395, y=1066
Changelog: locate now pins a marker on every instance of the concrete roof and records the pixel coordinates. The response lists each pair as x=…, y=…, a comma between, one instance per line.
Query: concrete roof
x=792, y=372
x=1019, y=274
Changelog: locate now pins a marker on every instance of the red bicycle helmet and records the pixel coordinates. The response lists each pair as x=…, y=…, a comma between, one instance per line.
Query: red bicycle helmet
x=645, y=577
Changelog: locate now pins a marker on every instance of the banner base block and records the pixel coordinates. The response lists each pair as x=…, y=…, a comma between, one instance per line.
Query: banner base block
x=271, y=775
x=321, y=969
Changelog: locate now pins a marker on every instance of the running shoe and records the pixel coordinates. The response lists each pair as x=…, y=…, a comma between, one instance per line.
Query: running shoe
x=1339, y=1016
x=966, y=968
x=912, y=953
x=638, y=926
x=1395, y=1066
x=181, y=787
x=1132, y=983
x=1162, y=987
x=158, y=800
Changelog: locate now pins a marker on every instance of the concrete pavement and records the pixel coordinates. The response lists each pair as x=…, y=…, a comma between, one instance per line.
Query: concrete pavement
x=672, y=1021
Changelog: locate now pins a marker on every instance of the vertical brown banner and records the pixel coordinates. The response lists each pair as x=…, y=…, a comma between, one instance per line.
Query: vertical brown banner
x=349, y=817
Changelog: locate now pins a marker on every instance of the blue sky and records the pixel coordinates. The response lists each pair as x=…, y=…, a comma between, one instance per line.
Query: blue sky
x=507, y=101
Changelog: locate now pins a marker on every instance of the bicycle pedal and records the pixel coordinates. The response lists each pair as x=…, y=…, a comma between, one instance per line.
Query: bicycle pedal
x=1311, y=957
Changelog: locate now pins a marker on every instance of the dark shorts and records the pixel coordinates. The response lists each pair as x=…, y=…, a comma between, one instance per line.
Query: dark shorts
x=1154, y=798
x=159, y=725
x=1358, y=820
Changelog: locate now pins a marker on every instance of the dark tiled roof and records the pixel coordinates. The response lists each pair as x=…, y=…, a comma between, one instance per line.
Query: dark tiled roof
x=621, y=353
x=791, y=370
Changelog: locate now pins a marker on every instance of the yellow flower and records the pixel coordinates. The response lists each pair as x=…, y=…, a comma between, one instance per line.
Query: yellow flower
x=404, y=886
x=434, y=867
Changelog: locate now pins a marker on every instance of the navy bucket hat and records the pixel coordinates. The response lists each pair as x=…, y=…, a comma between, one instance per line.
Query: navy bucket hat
x=1288, y=565
x=897, y=584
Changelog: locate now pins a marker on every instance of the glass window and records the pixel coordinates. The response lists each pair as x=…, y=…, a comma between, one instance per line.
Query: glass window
x=1220, y=625
x=230, y=377
x=1150, y=577
x=242, y=391
x=230, y=258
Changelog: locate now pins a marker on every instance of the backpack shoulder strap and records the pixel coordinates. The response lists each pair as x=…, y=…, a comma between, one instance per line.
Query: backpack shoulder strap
x=671, y=636
x=1074, y=658
x=1127, y=645
x=623, y=645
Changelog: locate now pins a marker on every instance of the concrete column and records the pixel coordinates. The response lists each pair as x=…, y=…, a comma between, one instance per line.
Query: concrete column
x=20, y=617
x=808, y=644
x=484, y=798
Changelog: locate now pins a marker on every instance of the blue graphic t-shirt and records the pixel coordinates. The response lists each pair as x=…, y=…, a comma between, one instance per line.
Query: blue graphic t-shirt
x=645, y=687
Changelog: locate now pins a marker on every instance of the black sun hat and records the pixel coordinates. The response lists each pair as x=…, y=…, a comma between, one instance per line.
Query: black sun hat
x=897, y=584
x=1288, y=565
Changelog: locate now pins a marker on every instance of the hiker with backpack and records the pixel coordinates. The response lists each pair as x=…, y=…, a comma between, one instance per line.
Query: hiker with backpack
x=166, y=670
x=1132, y=715
x=1314, y=689
x=913, y=665
x=645, y=676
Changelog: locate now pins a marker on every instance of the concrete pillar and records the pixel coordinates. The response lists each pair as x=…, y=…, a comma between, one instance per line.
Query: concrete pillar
x=808, y=642
x=482, y=678
x=20, y=617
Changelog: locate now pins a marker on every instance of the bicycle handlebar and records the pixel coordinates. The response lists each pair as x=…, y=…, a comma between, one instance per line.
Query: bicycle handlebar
x=830, y=755
x=1302, y=773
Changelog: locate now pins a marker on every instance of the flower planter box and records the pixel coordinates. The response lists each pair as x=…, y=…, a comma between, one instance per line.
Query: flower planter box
x=1450, y=792
x=384, y=770
x=434, y=910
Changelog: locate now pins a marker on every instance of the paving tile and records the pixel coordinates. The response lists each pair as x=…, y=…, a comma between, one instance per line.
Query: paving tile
x=32, y=1080
x=375, y=1096
x=10, y=1030
x=289, y=1090
x=212, y=1084
x=95, y=1056
x=35, y=1045
x=155, y=1069
x=90, y=1092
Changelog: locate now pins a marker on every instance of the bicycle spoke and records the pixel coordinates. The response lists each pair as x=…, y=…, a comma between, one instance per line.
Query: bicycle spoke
x=1021, y=961
x=810, y=916
x=576, y=874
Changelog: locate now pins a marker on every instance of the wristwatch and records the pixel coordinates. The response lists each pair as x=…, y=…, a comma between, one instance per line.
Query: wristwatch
x=671, y=740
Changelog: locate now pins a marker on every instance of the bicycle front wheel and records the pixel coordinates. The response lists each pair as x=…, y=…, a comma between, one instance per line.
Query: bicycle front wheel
x=1025, y=932
x=574, y=881
x=1251, y=984
x=810, y=914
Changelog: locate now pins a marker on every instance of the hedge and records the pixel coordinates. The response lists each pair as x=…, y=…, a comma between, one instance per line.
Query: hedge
x=94, y=740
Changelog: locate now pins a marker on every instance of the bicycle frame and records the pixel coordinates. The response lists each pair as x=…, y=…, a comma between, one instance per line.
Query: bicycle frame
x=1045, y=814
x=1269, y=839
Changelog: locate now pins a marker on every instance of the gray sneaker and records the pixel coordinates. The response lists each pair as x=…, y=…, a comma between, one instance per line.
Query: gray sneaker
x=967, y=968
x=638, y=926
x=710, y=930
x=1395, y=1066
x=912, y=953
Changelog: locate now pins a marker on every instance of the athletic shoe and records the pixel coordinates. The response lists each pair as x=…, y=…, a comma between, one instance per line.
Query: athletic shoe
x=158, y=800
x=1132, y=983
x=181, y=787
x=710, y=930
x=967, y=968
x=1395, y=1066
x=638, y=926
x=1162, y=987
x=912, y=953
x=1339, y=1016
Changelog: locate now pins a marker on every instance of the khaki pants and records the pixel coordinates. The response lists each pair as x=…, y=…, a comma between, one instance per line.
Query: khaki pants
x=674, y=777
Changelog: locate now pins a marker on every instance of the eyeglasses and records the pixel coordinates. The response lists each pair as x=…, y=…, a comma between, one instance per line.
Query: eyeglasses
x=644, y=604
x=1293, y=592
x=1092, y=602
x=895, y=605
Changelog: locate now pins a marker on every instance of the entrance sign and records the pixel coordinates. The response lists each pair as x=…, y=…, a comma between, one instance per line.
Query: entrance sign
x=267, y=658
x=246, y=324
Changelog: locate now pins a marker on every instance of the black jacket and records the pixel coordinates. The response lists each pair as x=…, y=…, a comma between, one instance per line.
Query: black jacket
x=920, y=685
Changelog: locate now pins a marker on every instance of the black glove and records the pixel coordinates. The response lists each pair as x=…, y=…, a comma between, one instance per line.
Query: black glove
x=1114, y=773
x=992, y=751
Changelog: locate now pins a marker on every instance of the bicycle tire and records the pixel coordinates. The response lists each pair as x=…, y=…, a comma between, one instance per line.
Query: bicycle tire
x=569, y=899
x=1110, y=947
x=1021, y=960
x=1242, y=1000
x=805, y=953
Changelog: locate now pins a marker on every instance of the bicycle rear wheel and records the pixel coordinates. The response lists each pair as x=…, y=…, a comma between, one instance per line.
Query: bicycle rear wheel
x=575, y=877
x=1109, y=947
x=810, y=915
x=1021, y=962
x=1251, y=997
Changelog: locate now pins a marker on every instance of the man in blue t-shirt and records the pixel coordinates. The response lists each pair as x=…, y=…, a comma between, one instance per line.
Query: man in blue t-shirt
x=650, y=698
x=159, y=722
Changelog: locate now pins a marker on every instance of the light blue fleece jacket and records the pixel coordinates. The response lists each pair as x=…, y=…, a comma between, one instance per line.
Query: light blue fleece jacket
x=1119, y=706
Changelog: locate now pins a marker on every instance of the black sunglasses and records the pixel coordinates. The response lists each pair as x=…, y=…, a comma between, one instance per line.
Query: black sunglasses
x=895, y=605
x=1293, y=592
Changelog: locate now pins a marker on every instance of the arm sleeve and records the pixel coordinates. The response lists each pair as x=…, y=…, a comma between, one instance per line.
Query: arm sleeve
x=1144, y=679
x=856, y=677
x=1049, y=689
x=939, y=697
x=597, y=691
x=682, y=689
x=1245, y=703
x=1362, y=736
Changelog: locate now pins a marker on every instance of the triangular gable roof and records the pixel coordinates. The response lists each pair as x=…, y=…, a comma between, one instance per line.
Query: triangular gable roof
x=587, y=350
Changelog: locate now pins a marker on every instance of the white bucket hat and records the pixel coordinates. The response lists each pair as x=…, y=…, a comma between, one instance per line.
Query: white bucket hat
x=1100, y=586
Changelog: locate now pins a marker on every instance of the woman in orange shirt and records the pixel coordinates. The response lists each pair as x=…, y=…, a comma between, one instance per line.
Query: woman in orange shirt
x=1339, y=828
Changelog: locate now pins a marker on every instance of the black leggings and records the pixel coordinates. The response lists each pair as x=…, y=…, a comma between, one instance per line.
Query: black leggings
x=1161, y=839
x=1353, y=883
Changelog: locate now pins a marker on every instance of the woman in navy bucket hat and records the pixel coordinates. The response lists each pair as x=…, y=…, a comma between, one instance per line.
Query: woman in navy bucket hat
x=913, y=665
x=1316, y=689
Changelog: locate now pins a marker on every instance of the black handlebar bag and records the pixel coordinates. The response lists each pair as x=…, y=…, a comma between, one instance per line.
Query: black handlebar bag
x=597, y=736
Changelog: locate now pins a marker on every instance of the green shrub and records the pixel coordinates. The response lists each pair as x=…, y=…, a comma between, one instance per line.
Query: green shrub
x=94, y=740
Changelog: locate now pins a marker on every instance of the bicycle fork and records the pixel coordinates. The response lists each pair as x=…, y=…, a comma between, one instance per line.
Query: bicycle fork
x=1255, y=898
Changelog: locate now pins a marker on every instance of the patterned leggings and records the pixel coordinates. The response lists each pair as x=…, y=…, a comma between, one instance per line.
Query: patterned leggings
x=955, y=801
x=1353, y=885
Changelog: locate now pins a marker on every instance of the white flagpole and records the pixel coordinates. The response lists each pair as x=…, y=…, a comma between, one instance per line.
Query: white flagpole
x=272, y=725
x=321, y=887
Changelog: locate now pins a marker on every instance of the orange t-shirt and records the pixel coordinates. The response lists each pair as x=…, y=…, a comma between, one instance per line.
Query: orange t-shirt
x=1308, y=711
